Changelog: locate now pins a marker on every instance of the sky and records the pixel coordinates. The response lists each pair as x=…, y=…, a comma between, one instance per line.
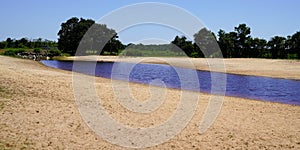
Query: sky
x=42, y=18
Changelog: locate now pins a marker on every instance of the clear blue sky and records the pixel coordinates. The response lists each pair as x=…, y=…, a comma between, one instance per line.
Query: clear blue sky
x=42, y=18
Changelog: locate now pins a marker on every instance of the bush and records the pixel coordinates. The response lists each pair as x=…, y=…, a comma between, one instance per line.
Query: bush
x=13, y=52
x=37, y=50
x=55, y=52
x=3, y=45
x=195, y=55
x=9, y=53
x=292, y=56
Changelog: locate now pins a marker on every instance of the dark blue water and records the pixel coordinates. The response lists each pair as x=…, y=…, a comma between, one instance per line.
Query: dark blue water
x=253, y=87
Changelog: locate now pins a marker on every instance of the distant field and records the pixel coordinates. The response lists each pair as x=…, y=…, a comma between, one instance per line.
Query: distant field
x=151, y=53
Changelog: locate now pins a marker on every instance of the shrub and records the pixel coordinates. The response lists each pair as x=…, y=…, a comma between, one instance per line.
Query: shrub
x=194, y=55
x=13, y=52
x=55, y=52
x=9, y=53
x=37, y=50
x=3, y=45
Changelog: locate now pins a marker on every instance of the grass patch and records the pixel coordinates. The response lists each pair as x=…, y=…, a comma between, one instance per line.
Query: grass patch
x=151, y=53
x=61, y=58
x=292, y=56
x=65, y=54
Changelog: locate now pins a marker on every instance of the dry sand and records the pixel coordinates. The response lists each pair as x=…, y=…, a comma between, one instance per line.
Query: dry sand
x=38, y=111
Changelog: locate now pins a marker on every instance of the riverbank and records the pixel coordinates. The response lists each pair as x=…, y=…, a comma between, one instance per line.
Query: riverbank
x=276, y=68
x=38, y=111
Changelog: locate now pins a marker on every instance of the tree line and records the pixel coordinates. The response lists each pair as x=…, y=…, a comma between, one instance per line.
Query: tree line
x=24, y=46
x=235, y=44
x=239, y=44
x=27, y=44
x=96, y=38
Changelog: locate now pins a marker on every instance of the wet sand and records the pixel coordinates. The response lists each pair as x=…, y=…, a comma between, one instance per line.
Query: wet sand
x=38, y=111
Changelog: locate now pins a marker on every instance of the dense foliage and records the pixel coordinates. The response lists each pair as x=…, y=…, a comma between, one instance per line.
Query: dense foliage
x=71, y=33
x=99, y=39
x=239, y=44
x=93, y=37
x=12, y=47
x=27, y=44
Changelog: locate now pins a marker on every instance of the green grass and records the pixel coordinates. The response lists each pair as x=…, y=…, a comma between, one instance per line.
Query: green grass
x=151, y=53
x=135, y=53
x=292, y=56
x=65, y=54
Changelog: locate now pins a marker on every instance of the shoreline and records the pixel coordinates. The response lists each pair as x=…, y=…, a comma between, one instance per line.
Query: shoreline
x=38, y=111
x=144, y=84
x=274, y=68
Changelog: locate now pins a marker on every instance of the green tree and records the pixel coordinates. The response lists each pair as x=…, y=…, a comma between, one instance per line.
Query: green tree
x=71, y=33
x=207, y=42
x=9, y=42
x=277, y=47
x=22, y=43
x=37, y=50
x=3, y=44
x=227, y=43
x=180, y=44
x=242, y=41
x=113, y=46
x=93, y=37
x=295, y=43
x=175, y=45
x=258, y=48
x=100, y=39
x=38, y=43
x=197, y=53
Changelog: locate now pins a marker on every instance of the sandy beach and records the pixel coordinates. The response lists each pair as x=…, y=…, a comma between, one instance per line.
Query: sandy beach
x=38, y=110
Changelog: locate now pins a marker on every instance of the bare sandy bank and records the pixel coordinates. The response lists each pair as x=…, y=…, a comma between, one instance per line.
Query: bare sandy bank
x=38, y=111
x=277, y=68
